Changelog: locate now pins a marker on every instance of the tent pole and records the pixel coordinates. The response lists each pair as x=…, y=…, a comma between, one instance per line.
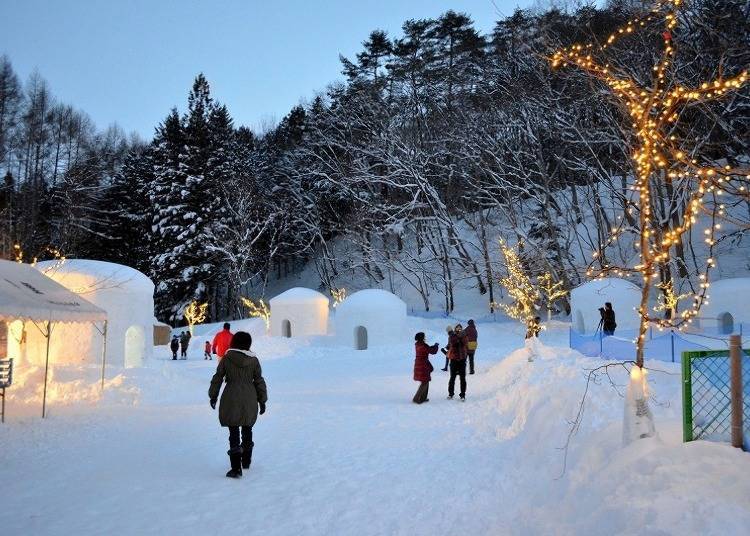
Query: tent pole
x=104, y=352
x=46, y=371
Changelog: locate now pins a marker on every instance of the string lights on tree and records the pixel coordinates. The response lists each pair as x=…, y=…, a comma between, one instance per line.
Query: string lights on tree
x=551, y=290
x=654, y=110
x=517, y=283
x=258, y=310
x=195, y=313
x=338, y=295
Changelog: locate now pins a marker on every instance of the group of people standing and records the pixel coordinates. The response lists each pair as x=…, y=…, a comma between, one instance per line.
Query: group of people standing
x=180, y=344
x=461, y=347
x=218, y=347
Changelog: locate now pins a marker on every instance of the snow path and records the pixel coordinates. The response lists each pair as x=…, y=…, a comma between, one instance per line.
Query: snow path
x=342, y=450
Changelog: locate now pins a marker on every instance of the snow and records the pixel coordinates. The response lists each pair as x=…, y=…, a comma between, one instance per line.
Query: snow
x=299, y=312
x=586, y=300
x=123, y=292
x=342, y=450
x=379, y=313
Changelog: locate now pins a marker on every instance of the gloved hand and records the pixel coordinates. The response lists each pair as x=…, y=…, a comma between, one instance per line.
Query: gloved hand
x=262, y=406
x=213, y=403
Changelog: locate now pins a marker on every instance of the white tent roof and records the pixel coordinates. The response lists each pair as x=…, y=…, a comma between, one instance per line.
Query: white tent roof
x=26, y=293
x=299, y=295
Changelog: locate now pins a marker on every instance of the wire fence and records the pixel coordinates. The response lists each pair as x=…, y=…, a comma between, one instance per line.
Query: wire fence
x=707, y=397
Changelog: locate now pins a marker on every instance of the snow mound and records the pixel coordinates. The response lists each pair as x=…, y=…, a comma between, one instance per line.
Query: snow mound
x=370, y=317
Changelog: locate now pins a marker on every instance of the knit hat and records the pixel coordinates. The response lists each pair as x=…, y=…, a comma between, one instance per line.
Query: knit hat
x=449, y=329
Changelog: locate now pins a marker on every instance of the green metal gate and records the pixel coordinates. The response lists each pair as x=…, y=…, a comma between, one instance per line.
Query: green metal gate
x=706, y=395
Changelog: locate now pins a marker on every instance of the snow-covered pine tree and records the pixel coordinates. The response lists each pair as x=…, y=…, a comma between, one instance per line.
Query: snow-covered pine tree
x=167, y=206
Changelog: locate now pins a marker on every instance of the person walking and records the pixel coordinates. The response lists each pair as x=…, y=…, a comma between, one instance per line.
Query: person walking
x=244, y=397
x=457, y=358
x=207, y=351
x=471, y=343
x=222, y=341
x=608, y=320
x=184, y=343
x=449, y=331
x=422, y=367
x=174, y=345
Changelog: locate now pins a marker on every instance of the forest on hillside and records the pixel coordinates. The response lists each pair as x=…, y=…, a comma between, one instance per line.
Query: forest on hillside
x=437, y=139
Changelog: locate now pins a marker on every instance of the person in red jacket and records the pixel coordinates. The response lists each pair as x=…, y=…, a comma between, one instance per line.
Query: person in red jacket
x=423, y=367
x=471, y=343
x=222, y=340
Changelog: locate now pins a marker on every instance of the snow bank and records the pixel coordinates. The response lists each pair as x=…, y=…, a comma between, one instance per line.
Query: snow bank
x=586, y=300
x=370, y=317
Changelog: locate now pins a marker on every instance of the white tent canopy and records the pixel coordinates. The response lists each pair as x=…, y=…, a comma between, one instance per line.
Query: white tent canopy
x=27, y=294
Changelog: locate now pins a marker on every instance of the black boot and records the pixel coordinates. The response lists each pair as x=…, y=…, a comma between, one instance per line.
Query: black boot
x=247, y=456
x=235, y=458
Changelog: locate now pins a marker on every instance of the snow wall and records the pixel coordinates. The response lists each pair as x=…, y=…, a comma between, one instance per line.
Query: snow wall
x=369, y=318
x=299, y=312
x=124, y=293
x=586, y=300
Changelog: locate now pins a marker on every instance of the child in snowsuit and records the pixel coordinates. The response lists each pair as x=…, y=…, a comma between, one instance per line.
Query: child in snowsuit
x=207, y=351
x=422, y=367
x=244, y=396
x=174, y=345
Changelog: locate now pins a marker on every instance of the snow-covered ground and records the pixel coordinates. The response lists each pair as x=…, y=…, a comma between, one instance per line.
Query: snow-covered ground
x=342, y=450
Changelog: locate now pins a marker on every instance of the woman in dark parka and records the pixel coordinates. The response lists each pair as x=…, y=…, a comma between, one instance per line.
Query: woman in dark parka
x=244, y=393
x=422, y=367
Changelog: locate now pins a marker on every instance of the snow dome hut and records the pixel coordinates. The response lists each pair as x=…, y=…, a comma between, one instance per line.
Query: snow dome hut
x=728, y=305
x=299, y=312
x=586, y=300
x=124, y=293
x=371, y=317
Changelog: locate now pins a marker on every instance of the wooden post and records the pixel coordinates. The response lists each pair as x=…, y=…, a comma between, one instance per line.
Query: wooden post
x=735, y=359
x=46, y=370
x=104, y=351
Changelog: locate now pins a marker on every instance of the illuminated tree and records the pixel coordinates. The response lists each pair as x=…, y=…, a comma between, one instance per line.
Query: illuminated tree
x=338, y=295
x=655, y=109
x=551, y=291
x=258, y=310
x=195, y=313
x=517, y=283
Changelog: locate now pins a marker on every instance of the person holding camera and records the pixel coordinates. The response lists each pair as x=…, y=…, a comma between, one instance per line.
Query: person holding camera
x=422, y=367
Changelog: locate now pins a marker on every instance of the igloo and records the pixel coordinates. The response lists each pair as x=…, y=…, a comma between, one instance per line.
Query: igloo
x=124, y=293
x=586, y=300
x=299, y=312
x=370, y=317
x=728, y=305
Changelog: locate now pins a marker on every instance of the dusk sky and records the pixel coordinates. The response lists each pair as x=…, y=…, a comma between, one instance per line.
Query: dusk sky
x=130, y=62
